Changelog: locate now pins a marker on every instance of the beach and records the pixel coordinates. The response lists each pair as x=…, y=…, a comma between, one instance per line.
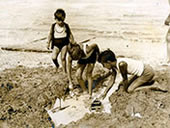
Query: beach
x=114, y=23
x=133, y=29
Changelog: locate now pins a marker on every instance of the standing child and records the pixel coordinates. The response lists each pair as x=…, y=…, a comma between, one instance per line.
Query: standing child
x=59, y=37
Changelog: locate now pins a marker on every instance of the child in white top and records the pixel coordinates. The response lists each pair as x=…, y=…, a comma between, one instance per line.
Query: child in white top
x=59, y=37
x=141, y=74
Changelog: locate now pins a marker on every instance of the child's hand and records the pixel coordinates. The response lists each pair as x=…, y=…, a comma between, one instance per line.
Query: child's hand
x=71, y=86
x=48, y=46
x=166, y=23
x=102, y=96
x=121, y=83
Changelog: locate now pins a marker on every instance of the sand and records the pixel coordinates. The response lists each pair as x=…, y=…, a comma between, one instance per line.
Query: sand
x=131, y=28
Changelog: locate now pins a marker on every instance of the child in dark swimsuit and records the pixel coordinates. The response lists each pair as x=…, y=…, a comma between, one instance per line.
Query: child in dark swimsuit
x=85, y=59
x=59, y=37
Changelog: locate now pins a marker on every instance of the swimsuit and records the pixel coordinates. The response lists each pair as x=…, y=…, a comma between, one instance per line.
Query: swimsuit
x=91, y=59
x=61, y=41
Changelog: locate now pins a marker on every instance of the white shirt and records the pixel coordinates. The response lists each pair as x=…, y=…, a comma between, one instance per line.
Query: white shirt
x=59, y=32
x=134, y=67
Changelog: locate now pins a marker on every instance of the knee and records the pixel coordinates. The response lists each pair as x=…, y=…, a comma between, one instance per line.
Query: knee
x=152, y=74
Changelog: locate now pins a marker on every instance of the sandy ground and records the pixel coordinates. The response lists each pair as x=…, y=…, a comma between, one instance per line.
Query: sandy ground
x=131, y=28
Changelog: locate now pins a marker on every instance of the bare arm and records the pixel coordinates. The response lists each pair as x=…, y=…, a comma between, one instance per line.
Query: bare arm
x=50, y=37
x=105, y=75
x=111, y=83
x=71, y=38
x=123, y=70
x=167, y=21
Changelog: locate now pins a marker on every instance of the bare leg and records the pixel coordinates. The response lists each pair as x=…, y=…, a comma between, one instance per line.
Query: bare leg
x=79, y=74
x=147, y=76
x=135, y=84
x=55, y=53
x=63, y=58
x=90, y=68
x=156, y=86
x=131, y=79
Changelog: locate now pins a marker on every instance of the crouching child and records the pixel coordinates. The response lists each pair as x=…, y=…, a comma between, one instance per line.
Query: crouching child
x=141, y=74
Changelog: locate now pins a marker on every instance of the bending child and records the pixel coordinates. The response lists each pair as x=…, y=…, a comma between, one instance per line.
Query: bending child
x=86, y=58
x=59, y=37
x=141, y=74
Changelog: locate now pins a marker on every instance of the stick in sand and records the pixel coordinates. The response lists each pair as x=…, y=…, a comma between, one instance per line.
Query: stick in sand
x=39, y=39
x=36, y=50
x=79, y=42
x=85, y=41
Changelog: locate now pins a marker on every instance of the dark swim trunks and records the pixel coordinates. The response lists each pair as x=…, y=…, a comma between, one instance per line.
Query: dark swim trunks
x=60, y=43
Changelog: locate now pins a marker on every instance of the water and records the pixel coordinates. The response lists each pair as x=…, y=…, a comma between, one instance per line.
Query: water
x=25, y=20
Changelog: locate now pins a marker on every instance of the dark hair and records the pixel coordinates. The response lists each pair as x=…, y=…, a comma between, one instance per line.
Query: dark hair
x=75, y=51
x=107, y=55
x=60, y=14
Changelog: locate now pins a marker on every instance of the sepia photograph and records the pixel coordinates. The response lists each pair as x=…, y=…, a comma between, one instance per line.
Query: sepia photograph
x=85, y=64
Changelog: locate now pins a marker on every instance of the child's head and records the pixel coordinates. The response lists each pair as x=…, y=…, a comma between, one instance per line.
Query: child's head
x=75, y=51
x=106, y=58
x=60, y=15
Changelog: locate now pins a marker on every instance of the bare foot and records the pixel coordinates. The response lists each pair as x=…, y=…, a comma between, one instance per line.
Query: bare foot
x=71, y=93
x=159, y=89
x=85, y=92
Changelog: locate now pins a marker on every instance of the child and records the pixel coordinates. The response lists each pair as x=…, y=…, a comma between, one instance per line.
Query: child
x=167, y=22
x=140, y=73
x=59, y=37
x=85, y=59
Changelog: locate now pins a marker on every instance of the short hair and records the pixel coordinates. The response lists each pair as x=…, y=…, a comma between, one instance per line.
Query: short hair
x=106, y=56
x=75, y=51
x=60, y=14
